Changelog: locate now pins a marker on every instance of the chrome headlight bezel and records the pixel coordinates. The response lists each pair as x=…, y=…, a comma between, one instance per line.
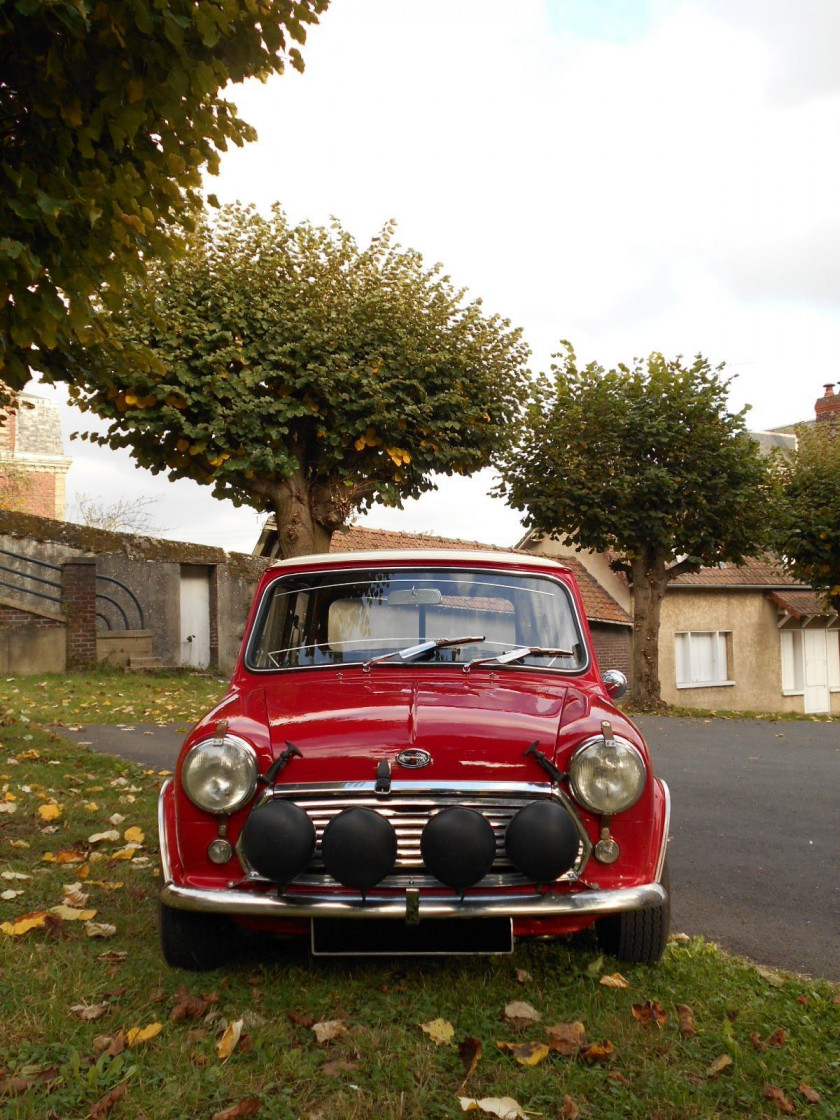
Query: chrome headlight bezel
x=241, y=765
x=584, y=786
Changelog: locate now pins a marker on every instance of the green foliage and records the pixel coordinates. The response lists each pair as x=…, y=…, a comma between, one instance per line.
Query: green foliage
x=109, y=111
x=638, y=460
x=291, y=369
x=808, y=533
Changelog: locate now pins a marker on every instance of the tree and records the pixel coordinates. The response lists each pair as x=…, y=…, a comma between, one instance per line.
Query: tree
x=108, y=114
x=298, y=372
x=124, y=515
x=808, y=529
x=644, y=462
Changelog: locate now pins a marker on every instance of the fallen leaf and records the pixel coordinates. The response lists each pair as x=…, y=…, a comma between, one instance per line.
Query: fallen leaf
x=567, y=1038
x=123, y=853
x=49, y=812
x=598, y=1052
x=138, y=1035
x=505, y=1108
x=329, y=1029
x=71, y=914
x=778, y=1038
x=719, y=1065
x=300, y=1019
x=23, y=925
x=439, y=1031
x=614, y=980
x=526, y=1053
x=134, y=835
x=757, y=1042
x=189, y=1006
x=103, y=1106
x=90, y=1012
x=74, y=895
x=250, y=1106
x=112, y=957
x=522, y=976
x=338, y=1066
x=686, y=1018
x=116, y=819
x=520, y=1013
x=228, y=1042
x=66, y=855
x=8, y=807
x=14, y=876
x=100, y=929
x=7, y=896
x=617, y=1076
x=469, y=1051
x=15, y=1086
x=810, y=1095
x=771, y=976
x=569, y=1110
x=98, y=837
x=771, y=1093
x=110, y=1044
x=649, y=1012
x=594, y=967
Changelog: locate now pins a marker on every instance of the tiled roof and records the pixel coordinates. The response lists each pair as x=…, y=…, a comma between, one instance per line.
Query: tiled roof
x=599, y=605
x=800, y=604
x=753, y=573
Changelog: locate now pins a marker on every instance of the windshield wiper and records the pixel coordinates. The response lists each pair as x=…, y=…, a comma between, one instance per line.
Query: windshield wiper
x=411, y=653
x=517, y=654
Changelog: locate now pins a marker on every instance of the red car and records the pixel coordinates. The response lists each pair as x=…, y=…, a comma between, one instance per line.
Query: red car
x=417, y=754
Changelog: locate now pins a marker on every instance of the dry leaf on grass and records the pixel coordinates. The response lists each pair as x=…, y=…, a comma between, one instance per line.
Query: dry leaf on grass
x=618, y=1077
x=567, y=1038
x=15, y=1086
x=469, y=1051
x=774, y=978
x=778, y=1039
x=189, y=1006
x=650, y=1012
x=569, y=1110
x=134, y=835
x=112, y=957
x=103, y=1106
x=14, y=876
x=522, y=976
x=719, y=1065
x=49, y=812
x=299, y=1018
x=757, y=1041
x=810, y=1095
x=337, y=1066
x=100, y=929
x=598, y=1052
x=110, y=1044
x=526, y=1053
x=686, y=1018
x=97, y=837
x=520, y=1013
x=71, y=914
x=74, y=895
x=328, y=1029
x=90, y=1012
x=9, y=895
x=23, y=925
x=228, y=1042
x=439, y=1031
x=505, y=1108
x=248, y=1107
x=138, y=1035
x=772, y=1093
x=614, y=980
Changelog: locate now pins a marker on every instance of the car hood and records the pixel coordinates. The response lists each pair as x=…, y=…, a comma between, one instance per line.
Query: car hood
x=475, y=727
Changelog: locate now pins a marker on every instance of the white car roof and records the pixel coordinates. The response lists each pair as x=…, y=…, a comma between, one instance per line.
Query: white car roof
x=435, y=556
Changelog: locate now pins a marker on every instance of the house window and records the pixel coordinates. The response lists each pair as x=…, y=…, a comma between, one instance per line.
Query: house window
x=794, y=662
x=703, y=659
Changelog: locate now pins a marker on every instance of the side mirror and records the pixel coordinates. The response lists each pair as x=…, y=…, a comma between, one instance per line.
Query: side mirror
x=615, y=683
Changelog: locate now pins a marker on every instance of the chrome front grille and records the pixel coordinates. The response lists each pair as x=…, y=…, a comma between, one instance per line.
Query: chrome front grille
x=409, y=809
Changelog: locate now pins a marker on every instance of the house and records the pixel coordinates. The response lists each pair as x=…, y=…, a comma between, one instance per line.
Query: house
x=33, y=466
x=609, y=622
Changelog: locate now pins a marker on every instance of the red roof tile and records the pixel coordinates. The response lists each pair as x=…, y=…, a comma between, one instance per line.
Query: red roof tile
x=762, y=572
x=800, y=604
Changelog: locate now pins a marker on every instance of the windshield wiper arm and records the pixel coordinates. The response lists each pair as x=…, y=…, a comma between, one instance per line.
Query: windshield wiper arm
x=411, y=653
x=517, y=654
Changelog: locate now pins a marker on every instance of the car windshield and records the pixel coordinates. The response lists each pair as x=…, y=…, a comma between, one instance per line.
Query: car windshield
x=352, y=616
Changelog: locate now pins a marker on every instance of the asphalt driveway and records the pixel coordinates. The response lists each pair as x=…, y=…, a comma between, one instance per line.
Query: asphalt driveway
x=755, y=828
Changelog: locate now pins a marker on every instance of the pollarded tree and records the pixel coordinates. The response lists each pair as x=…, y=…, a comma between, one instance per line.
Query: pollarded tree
x=109, y=112
x=644, y=462
x=808, y=534
x=297, y=372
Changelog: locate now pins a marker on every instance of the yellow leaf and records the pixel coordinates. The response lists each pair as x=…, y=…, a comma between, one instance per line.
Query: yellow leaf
x=439, y=1031
x=71, y=914
x=227, y=1043
x=505, y=1108
x=100, y=929
x=50, y=812
x=24, y=924
x=526, y=1053
x=137, y=1035
x=92, y=807
x=719, y=1065
x=134, y=835
x=519, y=1011
x=123, y=853
x=614, y=980
x=111, y=834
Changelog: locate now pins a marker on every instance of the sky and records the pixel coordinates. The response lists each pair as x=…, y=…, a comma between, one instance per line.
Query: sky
x=631, y=175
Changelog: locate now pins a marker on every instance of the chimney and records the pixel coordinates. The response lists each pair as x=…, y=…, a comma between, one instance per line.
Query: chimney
x=828, y=406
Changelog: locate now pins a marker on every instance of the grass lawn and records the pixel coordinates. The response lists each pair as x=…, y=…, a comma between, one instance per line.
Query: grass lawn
x=98, y=1026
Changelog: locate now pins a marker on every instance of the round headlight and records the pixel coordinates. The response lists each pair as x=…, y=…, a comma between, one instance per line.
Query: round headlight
x=607, y=775
x=220, y=775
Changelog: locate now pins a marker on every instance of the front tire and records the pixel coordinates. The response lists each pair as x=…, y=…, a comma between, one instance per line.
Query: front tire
x=638, y=936
x=197, y=942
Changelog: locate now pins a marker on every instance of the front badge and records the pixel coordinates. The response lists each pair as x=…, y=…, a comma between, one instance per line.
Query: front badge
x=413, y=759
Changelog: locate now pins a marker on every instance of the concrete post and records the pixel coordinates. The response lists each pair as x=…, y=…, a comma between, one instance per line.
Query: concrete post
x=78, y=596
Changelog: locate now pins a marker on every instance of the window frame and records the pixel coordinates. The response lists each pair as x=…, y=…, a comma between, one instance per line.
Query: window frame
x=722, y=653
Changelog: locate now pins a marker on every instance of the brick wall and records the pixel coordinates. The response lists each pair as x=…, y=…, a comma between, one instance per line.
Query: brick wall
x=31, y=491
x=10, y=616
x=828, y=406
x=79, y=604
x=613, y=647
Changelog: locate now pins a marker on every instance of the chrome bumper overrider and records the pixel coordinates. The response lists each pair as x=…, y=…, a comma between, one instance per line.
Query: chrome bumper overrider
x=581, y=903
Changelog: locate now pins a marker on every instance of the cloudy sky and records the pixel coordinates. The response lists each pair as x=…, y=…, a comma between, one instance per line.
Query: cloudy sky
x=632, y=175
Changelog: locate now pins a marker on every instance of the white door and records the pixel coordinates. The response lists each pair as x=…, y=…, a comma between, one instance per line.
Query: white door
x=195, y=617
x=817, y=697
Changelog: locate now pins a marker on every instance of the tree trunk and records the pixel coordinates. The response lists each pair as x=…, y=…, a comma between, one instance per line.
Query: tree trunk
x=301, y=529
x=649, y=582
